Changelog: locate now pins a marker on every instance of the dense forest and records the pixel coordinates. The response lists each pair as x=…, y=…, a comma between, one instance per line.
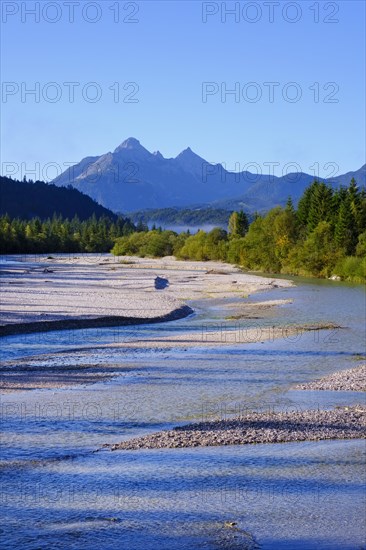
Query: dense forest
x=37, y=217
x=59, y=234
x=183, y=216
x=29, y=199
x=325, y=236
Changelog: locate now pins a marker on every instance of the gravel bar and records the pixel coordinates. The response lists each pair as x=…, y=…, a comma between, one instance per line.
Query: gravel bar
x=274, y=427
x=346, y=380
x=71, y=292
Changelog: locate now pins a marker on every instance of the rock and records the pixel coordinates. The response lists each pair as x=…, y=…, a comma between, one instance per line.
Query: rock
x=160, y=283
x=230, y=523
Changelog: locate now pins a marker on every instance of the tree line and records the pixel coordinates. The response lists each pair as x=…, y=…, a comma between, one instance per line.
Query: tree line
x=58, y=234
x=325, y=236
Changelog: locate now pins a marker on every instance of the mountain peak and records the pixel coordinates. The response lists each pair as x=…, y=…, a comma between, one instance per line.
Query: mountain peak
x=189, y=160
x=129, y=143
x=186, y=153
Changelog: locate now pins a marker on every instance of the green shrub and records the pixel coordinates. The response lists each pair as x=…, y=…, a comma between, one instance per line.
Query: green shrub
x=351, y=268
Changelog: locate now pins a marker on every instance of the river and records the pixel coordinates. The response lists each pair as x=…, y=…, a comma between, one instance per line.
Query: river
x=57, y=492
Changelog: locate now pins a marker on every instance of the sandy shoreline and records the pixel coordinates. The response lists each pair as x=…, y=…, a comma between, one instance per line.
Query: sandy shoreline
x=71, y=292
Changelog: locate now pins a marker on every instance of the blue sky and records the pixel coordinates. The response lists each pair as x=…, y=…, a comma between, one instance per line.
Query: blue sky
x=168, y=54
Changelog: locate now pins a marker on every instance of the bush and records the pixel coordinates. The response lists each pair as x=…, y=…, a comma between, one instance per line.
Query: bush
x=205, y=246
x=152, y=243
x=351, y=268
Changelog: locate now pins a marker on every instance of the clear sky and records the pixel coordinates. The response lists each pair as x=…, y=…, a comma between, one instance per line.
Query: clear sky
x=164, y=53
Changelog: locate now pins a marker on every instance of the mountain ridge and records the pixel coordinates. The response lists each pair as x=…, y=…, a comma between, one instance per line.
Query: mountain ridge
x=132, y=178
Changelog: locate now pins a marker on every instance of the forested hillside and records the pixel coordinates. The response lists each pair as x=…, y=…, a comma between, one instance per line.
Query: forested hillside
x=197, y=217
x=28, y=199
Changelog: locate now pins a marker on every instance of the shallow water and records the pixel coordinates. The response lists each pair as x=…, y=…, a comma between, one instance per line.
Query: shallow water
x=287, y=496
x=57, y=492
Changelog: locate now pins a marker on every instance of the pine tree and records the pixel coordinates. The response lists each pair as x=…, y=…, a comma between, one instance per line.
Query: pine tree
x=290, y=206
x=304, y=205
x=238, y=224
x=320, y=205
x=141, y=227
x=347, y=226
x=243, y=223
x=343, y=226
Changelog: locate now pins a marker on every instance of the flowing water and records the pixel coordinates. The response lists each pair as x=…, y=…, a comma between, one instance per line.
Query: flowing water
x=57, y=492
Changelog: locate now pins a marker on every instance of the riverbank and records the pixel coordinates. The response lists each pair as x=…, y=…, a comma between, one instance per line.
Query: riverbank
x=61, y=292
x=273, y=427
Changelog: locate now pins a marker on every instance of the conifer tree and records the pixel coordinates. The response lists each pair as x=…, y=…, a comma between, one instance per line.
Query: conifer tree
x=238, y=224
x=320, y=205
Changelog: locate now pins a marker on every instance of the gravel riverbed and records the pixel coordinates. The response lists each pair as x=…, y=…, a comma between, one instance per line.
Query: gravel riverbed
x=346, y=380
x=58, y=293
x=273, y=427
